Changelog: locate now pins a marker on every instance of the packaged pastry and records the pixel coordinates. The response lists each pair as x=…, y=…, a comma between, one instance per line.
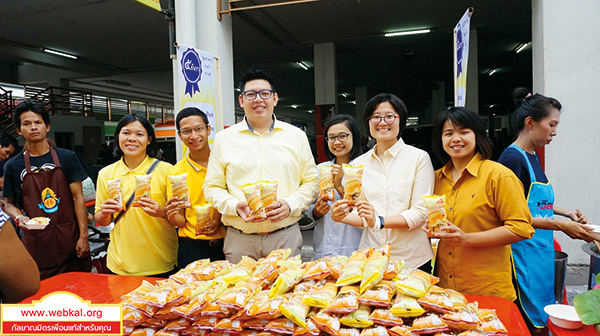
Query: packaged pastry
x=253, y=194
x=213, y=270
x=345, y=302
x=327, y=323
x=142, y=188
x=353, y=270
x=286, y=281
x=437, y=300
x=384, y=317
x=310, y=329
x=436, y=213
x=269, y=308
x=37, y=223
x=237, y=296
x=179, y=188
x=227, y=325
x=281, y=326
x=295, y=310
x=464, y=320
x=177, y=325
x=375, y=331
x=379, y=296
x=336, y=265
x=414, y=282
x=265, y=274
x=399, y=331
x=318, y=269
x=393, y=268
x=375, y=267
x=406, y=306
x=268, y=192
x=203, y=217
x=321, y=297
x=352, y=183
x=349, y=332
x=326, y=187
x=240, y=272
x=114, y=191
x=359, y=318
x=429, y=324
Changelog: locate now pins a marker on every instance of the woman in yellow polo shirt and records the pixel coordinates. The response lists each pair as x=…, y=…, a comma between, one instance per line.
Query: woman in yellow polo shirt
x=142, y=242
x=485, y=208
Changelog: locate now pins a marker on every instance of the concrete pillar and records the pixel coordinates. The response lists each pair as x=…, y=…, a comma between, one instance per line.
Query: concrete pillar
x=565, y=66
x=361, y=101
x=325, y=74
x=438, y=101
x=472, y=102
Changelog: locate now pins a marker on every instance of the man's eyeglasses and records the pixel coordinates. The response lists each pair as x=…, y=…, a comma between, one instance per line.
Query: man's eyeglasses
x=342, y=137
x=388, y=118
x=251, y=94
x=188, y=131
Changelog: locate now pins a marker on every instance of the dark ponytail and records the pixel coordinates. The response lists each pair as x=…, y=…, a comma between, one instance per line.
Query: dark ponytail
x=536, y=106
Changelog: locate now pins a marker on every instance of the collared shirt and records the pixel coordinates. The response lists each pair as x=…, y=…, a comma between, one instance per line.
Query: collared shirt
x=195, y=179
x=486, y=196
x=394, y=186
x=332, y=238
x=240, y=156
x=139, y=244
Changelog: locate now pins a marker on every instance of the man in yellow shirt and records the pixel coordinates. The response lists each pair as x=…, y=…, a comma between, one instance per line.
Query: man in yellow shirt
x=193, y=130
x=260, y=148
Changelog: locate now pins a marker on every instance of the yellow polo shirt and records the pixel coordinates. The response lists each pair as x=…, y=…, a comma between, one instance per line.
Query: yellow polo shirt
x=486, y=196
x=195, y=179
x=139, y=244
x=240, y=156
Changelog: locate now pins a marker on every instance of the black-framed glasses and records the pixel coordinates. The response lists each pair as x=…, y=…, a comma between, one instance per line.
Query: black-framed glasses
x=188, y=131
x=342, y=137
x=251, y=94
x=388, y=118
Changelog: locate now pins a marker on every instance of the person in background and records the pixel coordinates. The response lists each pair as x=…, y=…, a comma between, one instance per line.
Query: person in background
x=342, y=146
x=536, y=120
x=485, y=209
x=143, y=242
x=19, y=274
x=261, y=148
x=193, y=130
x=395, y=177
x=45, y=181
x=8, y=145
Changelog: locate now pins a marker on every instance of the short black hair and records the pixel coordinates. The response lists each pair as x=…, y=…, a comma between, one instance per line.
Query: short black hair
x=188, y=112
x=536, y=106
x=151, y=149
x=255, y=73
x=6, y=140
x=352, y=125
x=396, y=103
x=27, y=106
x=464, y=118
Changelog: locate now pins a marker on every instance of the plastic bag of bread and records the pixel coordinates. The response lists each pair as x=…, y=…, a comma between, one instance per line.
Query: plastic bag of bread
x=140, y=291
x=205, y=322
x=164, y=332
x=437, y=301
x=265, y=274
x=353, y=183
x=359, y=318
x=375, y=331
x=436, y=213
x=177, y=325
x=199, y=302
x=345, y=302
x=240, y=272
x=213, y=270
x=286, y=281
x=310, y=329
x=143, y=332
x=253, y=194
x=162, y=295
x=133, y=317
x=384, y=317
x=463, y=320
x=179, y=188
x=269, y=309
x=154, y=323
x=237, y=296
x=429, y=324
x=142, y=188
x=216, y=310
x=114, y=191
x=349, y=332
x=379, y=296
x=268, y=192
x=327, y=323
x=321, y=297
x=295, y=310
x=318, y=269
x=375, y=267
x=414, y=282
x=326, y=187
x=204, y=214
x=353, y=270
x=494, y=327
x=399, y=331
x=281, y=326
x=294, y=262
x=166, y=313
x=336, y=265
x=459, y=301
x=228, y=326
x=306, y=286
x=406, y=306
x=193, y=330
x=256, y=324
x=473, y=333
x=393, y=268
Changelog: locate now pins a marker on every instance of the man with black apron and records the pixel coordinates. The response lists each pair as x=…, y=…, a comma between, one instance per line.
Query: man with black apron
x=46, y=182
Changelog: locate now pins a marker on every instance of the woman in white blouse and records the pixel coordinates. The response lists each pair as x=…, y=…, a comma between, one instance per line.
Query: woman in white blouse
x=395, y=177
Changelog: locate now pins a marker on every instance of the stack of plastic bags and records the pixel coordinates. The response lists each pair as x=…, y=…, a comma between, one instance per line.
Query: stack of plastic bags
x=366, y=294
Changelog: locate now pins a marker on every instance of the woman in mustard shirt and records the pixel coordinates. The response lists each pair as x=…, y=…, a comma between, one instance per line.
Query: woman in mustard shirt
x=143, y=242
x=485, y=208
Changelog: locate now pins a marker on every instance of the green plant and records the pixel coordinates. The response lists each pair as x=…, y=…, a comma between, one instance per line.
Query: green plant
x=587, y=305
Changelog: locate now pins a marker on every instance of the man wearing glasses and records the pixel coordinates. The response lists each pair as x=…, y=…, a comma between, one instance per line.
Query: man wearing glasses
x=260, y=148
x=193, y=130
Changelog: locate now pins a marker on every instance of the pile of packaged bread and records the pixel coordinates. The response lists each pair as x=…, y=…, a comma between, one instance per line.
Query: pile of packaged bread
x=365, y=294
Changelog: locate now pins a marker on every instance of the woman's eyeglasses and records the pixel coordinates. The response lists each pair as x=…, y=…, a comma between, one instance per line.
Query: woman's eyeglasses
x=388, y=118
x=342, y=137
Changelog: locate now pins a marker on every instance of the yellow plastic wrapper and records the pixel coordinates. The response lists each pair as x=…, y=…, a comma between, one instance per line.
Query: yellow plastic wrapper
x=252, y=307
x=353, y=270
x=286, y=281
x=114, y=191
x=227, y=325
x=406, y=306
x=281, y=326
x=375, y=267
x=415, y=282
x=256, y=324
x=349, y=332
x=213, y=270
x=198, y=264
x=474, y=333
x=269, y=309
x=318, y=269
x=216, y=310
x=399, y=331
x=237, y=296
x=177, y=325
x=265, y=274
x=240, y=272
x=459, y=301
x=142, y=188
x=193, y=330
x=206, y=323
x=437, y=300
x=384, y=317
x=429, y=324
x=494, y=327
x=327, y=323
x=375, y=331
x=310, y=330
x=353, y=183
x=133, y=317
x=166, y=314
x=289, y=264
x=392, y=269
x=253, y=194
x=140, y=291
x=345, y=302
x=464, y=320
x=336, y=265
x=436, y=213
x=295, y=310
x=268, y=192
x=359, y=318
x=321, y=297
x=199, y=302
x=144, y=332
x=326, y=187
x=306, y=286
x=379, y=296
x=204, y=214
x=277, y=255
x=179, y=188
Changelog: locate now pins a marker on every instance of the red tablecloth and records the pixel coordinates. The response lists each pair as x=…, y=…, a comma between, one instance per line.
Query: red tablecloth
x=586, y=330
x=102, y=288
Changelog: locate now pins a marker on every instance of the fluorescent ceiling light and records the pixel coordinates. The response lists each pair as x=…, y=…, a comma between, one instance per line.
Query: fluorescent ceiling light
x=302, y=65
x=353, y=102
x=310, y=111
x=493, y=71
x=294, y=106
x=408, y=32
x=344, y=94
x=492, y=105
x=522, y=47
x=59, y=53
